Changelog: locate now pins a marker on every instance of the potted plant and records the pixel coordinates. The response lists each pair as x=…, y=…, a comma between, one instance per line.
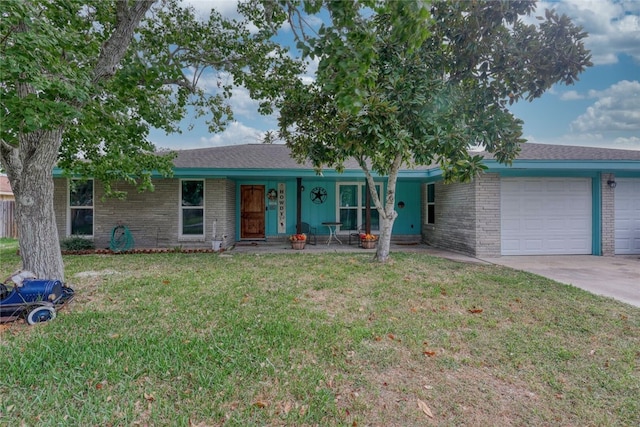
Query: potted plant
x=368, y=241
x=298, y=240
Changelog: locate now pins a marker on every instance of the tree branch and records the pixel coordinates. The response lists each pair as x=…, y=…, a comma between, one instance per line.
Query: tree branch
x=114, y=49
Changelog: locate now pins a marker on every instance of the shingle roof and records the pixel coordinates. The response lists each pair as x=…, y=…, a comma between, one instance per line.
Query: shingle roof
x=247, y=156
x=277, y=156
x=571, y=152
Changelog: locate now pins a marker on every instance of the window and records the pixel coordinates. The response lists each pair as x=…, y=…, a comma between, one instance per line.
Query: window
x=192, y=208
x=81, y=207
x=352, y=206
x=431, y=203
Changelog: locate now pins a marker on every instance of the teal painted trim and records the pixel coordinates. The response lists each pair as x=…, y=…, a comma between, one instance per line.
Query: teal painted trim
x=593, y=165
x=625, y=174
x=596, y=215
x=351, y=174
x=290, y=173
x=622, y=168
x=535, y=173
x=59, y=173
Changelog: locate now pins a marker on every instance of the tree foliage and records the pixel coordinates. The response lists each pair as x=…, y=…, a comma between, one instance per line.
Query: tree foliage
x=82, y=83
x=409, y=83
x=107, y=107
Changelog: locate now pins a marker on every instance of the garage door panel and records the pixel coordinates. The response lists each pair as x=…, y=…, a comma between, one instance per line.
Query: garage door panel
x=532, y=206
x=532, y=225
x=556, y=244
x=533, y=245
x=579, y=244
x=556, y=224
x=578, y=224
x=627, y=216
x=511, y=225
x=546, y=216
x=510, y=245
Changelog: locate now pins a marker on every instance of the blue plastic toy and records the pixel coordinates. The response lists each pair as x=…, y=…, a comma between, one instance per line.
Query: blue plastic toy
x=36, y=300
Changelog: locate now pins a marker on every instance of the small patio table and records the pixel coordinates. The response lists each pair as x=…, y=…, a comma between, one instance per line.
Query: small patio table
x=332, y=226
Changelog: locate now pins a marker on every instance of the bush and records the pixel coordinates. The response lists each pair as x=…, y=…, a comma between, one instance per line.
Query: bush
x=76, y=243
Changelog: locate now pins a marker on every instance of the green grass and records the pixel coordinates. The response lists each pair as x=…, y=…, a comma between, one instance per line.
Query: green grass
x=301, y=339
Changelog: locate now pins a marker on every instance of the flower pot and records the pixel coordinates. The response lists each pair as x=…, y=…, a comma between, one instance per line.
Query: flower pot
x=369, y=244
x=298, y=244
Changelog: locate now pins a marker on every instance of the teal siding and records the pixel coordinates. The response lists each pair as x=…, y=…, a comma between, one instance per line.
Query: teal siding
x=408, y=221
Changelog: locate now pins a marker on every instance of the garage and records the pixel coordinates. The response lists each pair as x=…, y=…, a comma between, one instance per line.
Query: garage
x=546, y=216
x=627, y=213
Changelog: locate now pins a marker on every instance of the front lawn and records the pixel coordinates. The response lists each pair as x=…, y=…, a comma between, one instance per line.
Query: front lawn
x=329, y=339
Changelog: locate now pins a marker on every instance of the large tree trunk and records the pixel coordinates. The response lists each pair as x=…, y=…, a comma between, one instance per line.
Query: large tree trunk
x=30, y=164
x=387, y=212
x=384, y=241
x=30, y=173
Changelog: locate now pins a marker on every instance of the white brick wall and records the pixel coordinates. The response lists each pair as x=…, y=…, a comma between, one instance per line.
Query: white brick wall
x=467, y=216
x=153, y=217
x=454, y=226
x=607, y=216
x=488, y=237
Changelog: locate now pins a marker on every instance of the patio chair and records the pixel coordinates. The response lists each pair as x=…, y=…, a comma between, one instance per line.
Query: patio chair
x=310, y=231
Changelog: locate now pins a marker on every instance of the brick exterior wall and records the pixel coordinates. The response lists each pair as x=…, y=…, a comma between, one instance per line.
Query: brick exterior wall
x=153, y=217
x=607, y=216
x=488, y=223
x=454, y=227
x=467, y=217
x=60, y=201
x=220, y=202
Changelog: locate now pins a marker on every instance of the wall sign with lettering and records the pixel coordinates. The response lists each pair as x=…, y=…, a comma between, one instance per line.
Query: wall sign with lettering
x=282, y=208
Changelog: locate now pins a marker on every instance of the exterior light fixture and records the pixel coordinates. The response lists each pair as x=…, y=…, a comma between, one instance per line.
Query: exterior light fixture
x=611, y=183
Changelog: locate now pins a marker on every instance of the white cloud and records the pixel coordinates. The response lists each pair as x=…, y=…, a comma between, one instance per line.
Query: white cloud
x=613, y=26
x=616, y=109
x=571, y=95
x=226, y=8
x=632, y=143
x=235, y=134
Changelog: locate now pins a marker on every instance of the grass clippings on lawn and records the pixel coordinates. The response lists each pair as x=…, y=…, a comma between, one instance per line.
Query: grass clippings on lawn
x=300, y=339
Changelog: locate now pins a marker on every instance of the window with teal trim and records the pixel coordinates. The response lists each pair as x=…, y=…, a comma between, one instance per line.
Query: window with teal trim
x=431, y=203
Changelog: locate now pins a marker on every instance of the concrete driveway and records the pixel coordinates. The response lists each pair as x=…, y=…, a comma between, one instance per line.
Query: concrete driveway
x=616, y=277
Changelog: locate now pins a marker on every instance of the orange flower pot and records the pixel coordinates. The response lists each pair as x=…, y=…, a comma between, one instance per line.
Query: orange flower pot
x=369, y=244
x=298, y=244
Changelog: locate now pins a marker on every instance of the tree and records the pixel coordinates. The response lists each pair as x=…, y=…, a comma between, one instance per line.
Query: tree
x=407, y=83
x=82, y=82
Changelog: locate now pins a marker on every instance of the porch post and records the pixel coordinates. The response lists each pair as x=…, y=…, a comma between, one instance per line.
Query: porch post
x=367, y=209
x=299, y=205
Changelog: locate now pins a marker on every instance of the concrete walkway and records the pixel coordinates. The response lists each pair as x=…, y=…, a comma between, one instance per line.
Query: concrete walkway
x=616, y=277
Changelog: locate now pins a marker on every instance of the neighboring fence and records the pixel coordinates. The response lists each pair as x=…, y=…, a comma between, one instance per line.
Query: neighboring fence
x=8, y=227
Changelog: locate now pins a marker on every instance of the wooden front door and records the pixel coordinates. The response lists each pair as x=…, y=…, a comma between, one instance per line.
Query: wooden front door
x=252, y=212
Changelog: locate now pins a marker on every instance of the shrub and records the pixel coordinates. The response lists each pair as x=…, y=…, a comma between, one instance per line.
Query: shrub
x=76, y=243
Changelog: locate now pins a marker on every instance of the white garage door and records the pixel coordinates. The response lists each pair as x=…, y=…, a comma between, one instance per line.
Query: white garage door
x=546, y=216
x=627, y=200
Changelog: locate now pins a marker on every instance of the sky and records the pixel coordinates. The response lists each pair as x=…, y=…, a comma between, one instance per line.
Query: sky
x=602, y=109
